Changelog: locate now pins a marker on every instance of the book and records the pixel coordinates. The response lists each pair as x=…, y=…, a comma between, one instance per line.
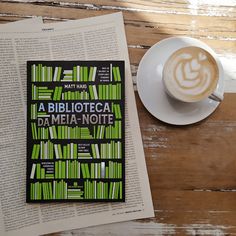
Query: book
x=75, y=131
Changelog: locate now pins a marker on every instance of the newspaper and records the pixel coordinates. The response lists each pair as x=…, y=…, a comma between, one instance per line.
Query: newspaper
x=97, y=38
x=23, y=26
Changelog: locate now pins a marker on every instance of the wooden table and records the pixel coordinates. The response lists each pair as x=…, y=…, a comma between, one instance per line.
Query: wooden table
x=192, y=169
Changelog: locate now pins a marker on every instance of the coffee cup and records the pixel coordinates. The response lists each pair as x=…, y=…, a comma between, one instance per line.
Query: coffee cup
x=192, y=73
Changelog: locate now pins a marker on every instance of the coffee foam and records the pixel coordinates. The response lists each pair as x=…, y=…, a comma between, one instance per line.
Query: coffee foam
x=190, y=74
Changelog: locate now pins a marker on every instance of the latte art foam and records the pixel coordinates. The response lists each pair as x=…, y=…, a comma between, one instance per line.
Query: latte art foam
x=190, y=74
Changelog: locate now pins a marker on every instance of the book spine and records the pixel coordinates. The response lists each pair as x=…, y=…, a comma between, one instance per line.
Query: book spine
x=114, y=73
x=111, y=77
x=81, y=73
x=33, y=73
x=33, y=169
x=94, y=73
x=118, y=74
x=78, y=73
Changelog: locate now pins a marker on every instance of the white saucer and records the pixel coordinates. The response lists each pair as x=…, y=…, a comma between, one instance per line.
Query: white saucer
x=151, y=90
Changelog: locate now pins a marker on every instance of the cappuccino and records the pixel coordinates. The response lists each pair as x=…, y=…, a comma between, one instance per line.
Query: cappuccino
x=190, y=74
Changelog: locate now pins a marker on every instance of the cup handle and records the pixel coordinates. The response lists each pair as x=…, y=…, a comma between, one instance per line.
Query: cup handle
x=216, y=96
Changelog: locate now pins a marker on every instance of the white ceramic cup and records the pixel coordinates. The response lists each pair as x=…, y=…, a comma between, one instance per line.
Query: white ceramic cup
x=174, y=66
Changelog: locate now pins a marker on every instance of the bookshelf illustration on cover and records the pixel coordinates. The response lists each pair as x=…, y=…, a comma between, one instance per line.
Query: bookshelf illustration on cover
x=75, y=131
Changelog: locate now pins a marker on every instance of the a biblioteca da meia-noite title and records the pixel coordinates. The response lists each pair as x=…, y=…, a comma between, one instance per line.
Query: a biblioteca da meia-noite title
x=75, y=130
x=86, y=113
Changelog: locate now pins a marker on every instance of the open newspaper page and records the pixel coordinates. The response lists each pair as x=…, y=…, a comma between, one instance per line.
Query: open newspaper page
x=23, y=26
x=2, y=230
x=98, y=38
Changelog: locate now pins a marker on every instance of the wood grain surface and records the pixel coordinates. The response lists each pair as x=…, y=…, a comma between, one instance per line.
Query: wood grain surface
x=192, y=169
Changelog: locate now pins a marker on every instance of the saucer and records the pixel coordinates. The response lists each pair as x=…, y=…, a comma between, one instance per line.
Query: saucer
x=152, y=92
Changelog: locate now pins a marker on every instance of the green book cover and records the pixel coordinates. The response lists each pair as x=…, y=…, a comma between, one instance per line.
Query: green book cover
x=75, y=131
